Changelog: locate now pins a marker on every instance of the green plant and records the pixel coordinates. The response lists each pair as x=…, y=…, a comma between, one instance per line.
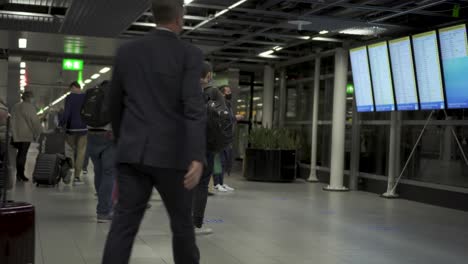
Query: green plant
x=274, y=139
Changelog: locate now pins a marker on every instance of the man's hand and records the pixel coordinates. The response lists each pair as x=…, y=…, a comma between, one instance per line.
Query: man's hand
x=192, y=178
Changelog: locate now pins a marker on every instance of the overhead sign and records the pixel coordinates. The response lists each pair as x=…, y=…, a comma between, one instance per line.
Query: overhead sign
x=72, y=65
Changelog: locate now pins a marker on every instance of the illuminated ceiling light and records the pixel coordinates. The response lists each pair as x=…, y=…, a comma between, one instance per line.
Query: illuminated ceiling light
x=260, y=105
x=22, y=43
x=105, y=70
x=22, y=77
x=222, y=12
x=257, y=98
x=237, y=4
x=95, y=76
x=327, y=39
x=22, y=88
x=267, y=54
x=305, y=37
x=23, y=71
x=364, y=31
x=23, y=83
x=88, y=81
x=323, y=32
x=278, y=48
x=186, y=2
x=23, y=65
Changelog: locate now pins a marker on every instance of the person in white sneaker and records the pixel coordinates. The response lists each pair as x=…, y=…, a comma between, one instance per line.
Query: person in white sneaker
x=226, y=155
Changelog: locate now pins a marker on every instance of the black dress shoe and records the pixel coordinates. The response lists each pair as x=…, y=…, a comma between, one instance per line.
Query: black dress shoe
x=24, y=179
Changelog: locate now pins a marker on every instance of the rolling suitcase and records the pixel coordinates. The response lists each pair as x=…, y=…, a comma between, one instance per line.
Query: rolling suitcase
x=47, y=170
x=17, y=223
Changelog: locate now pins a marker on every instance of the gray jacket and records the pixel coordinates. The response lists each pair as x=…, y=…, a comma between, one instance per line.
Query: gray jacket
x=25, y=124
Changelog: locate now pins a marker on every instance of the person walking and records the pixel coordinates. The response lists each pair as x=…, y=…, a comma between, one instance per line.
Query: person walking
x=76, y=130
x=101, y=148
x=25, y=128
x=201, y=193
x=159, y=120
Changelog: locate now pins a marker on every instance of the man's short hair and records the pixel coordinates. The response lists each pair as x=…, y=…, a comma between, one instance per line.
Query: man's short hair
x=167, y=11
x=207, y=68
x=75, y=84
x=27, y=95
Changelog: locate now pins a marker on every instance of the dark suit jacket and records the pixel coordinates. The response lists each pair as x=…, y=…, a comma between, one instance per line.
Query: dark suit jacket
x=157, y=104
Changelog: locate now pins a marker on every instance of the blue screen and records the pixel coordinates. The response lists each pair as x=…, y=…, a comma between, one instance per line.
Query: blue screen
x=362, y=80
x=381, y=77
x=404, y=77
x=453, y=44
x=428, y=71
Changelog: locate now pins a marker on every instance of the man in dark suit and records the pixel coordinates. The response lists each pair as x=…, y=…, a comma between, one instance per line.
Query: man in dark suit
x=159, y=121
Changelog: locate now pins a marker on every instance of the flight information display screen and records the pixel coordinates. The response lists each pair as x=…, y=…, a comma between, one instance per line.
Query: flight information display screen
x=428, y=71
x=404, y=77
x=381, y=77
x=362, y=79
x=454, y=47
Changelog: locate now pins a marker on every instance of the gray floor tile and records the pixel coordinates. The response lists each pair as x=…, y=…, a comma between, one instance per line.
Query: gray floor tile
x=260, y=223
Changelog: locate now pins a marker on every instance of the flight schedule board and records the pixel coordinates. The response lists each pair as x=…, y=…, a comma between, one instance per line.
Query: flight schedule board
x=428, y=71
x=381, y=77
x=404, y=77
x=454, y=49
x=362, y=79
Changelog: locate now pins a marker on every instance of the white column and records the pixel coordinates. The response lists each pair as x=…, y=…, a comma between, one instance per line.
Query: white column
x=339, y=119
x=315, y=106
x=393, y=156
x=268, y=96
x=282, y=98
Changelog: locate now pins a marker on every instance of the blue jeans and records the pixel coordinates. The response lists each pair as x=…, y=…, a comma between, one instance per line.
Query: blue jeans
x=102, y=153
x=225, y=157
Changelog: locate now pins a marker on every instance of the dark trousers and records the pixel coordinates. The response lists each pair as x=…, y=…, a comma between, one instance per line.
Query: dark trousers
x=225, y=157
x=135, y=184
x=200, y=198
x=21, y=156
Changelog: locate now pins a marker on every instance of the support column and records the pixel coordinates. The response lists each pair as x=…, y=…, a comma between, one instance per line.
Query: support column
x=13, y=90
x=393, y=155
x=268, y=96
x=282, y=98
x=313, y=151
x=355, y=149
x=447, y=142
x=339, y=122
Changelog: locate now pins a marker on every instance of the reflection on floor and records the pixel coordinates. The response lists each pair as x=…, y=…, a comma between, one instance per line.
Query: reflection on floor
x=261, y=223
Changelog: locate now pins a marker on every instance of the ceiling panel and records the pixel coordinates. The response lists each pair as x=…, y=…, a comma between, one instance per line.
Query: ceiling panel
x=104, y=18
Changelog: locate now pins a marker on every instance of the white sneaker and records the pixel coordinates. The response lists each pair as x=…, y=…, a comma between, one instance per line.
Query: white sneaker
x=228, y=188
x=220, y=188
x=203, y=231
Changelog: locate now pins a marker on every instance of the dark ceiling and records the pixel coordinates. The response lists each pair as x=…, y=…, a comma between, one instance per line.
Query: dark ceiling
x=240, y=34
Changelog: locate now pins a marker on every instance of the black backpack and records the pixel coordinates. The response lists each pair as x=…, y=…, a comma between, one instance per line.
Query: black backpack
x=220, y=132
x=95, y=112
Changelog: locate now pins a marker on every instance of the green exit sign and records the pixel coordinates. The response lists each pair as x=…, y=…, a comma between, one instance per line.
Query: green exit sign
x=72, y=65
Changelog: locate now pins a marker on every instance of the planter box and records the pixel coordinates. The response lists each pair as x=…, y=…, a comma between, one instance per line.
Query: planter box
x=270, y=165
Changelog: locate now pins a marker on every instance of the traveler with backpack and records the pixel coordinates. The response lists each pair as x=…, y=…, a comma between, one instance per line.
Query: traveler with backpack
x=225, y=156
x=76, y=130
x=219, y=135
x=25, y=128
x=101, y=149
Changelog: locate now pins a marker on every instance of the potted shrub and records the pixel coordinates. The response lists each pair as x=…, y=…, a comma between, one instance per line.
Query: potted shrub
x=271, y=155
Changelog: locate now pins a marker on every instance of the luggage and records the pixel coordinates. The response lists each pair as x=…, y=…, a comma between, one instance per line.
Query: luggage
x=47, y=170
x=52, y=143
x=17, y=222
x=95, y=111
x=17, y=233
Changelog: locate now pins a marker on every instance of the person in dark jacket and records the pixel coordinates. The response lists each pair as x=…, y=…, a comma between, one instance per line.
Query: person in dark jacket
x=159, y=124
x=76, y=129
x=201, y=192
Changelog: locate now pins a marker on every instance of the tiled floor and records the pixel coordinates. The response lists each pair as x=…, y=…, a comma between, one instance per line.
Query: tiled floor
x=262, y=223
